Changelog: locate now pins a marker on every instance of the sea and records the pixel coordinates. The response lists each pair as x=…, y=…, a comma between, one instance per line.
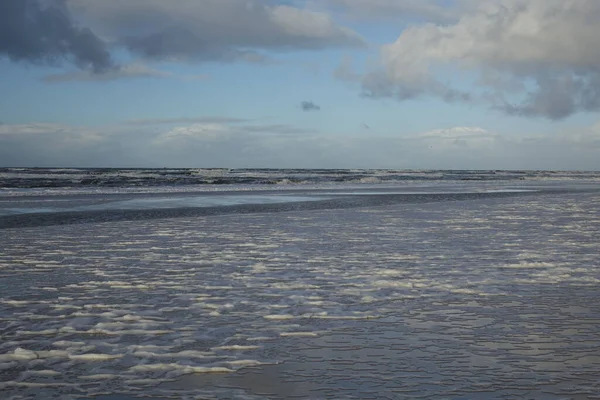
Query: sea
x=117, y=284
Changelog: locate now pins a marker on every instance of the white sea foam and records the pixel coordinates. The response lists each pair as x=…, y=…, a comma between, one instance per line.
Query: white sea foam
x=298, y=334
x=94, y=357
x=244, y=363
x=236, y=348
x=386, y=291
x=280, y=317
x=174, y=370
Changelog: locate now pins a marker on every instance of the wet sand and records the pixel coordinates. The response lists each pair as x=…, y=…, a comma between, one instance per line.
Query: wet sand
x=481, y=297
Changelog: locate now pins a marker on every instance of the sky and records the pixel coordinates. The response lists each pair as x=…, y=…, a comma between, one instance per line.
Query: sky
x=401, y=84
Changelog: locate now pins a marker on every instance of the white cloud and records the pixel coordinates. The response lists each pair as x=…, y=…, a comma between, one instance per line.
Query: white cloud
x=231, y=144
x=185, y=120
x=48, y=144
x=465, y=137
x=52, y=132
x=199, y=131
x=546, y=49
x=459, y=132
x=31, y=129
x=309, y=24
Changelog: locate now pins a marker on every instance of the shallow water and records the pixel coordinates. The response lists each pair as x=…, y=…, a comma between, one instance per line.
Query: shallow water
x=94, y=203
x=482, y=298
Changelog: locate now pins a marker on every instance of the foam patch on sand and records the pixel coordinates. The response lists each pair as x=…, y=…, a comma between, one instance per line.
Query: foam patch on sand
x=105, y=308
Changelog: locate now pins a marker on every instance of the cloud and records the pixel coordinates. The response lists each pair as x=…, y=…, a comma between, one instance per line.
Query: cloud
x=126, y=71
x=458, y=132
x=201, y=131
x=276, y=129
x=428, y=10
x=229, y=124
x=32, y=129
x=49, y=144
x=212, y=30
x=186, y=120
x=378, y=84
x=535, y=58
x=130, y=71
x=85, y=32
x=43, y=32
x=309, y=106
x=345, y=71
x=461, y=136
x=233, y=145
x=212, y=131
x=223, y=145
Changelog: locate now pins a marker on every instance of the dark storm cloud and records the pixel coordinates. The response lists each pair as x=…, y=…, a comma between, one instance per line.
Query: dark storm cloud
x=213, y=30
x=309, y=106
x=182, y=43
x=49, y=32
x=43, y=32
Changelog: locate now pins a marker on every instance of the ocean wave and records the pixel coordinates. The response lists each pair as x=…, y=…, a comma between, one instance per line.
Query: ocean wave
x=25, y=178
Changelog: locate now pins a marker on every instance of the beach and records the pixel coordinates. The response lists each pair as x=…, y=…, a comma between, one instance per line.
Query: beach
x=491, y=294
x=298, y=199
